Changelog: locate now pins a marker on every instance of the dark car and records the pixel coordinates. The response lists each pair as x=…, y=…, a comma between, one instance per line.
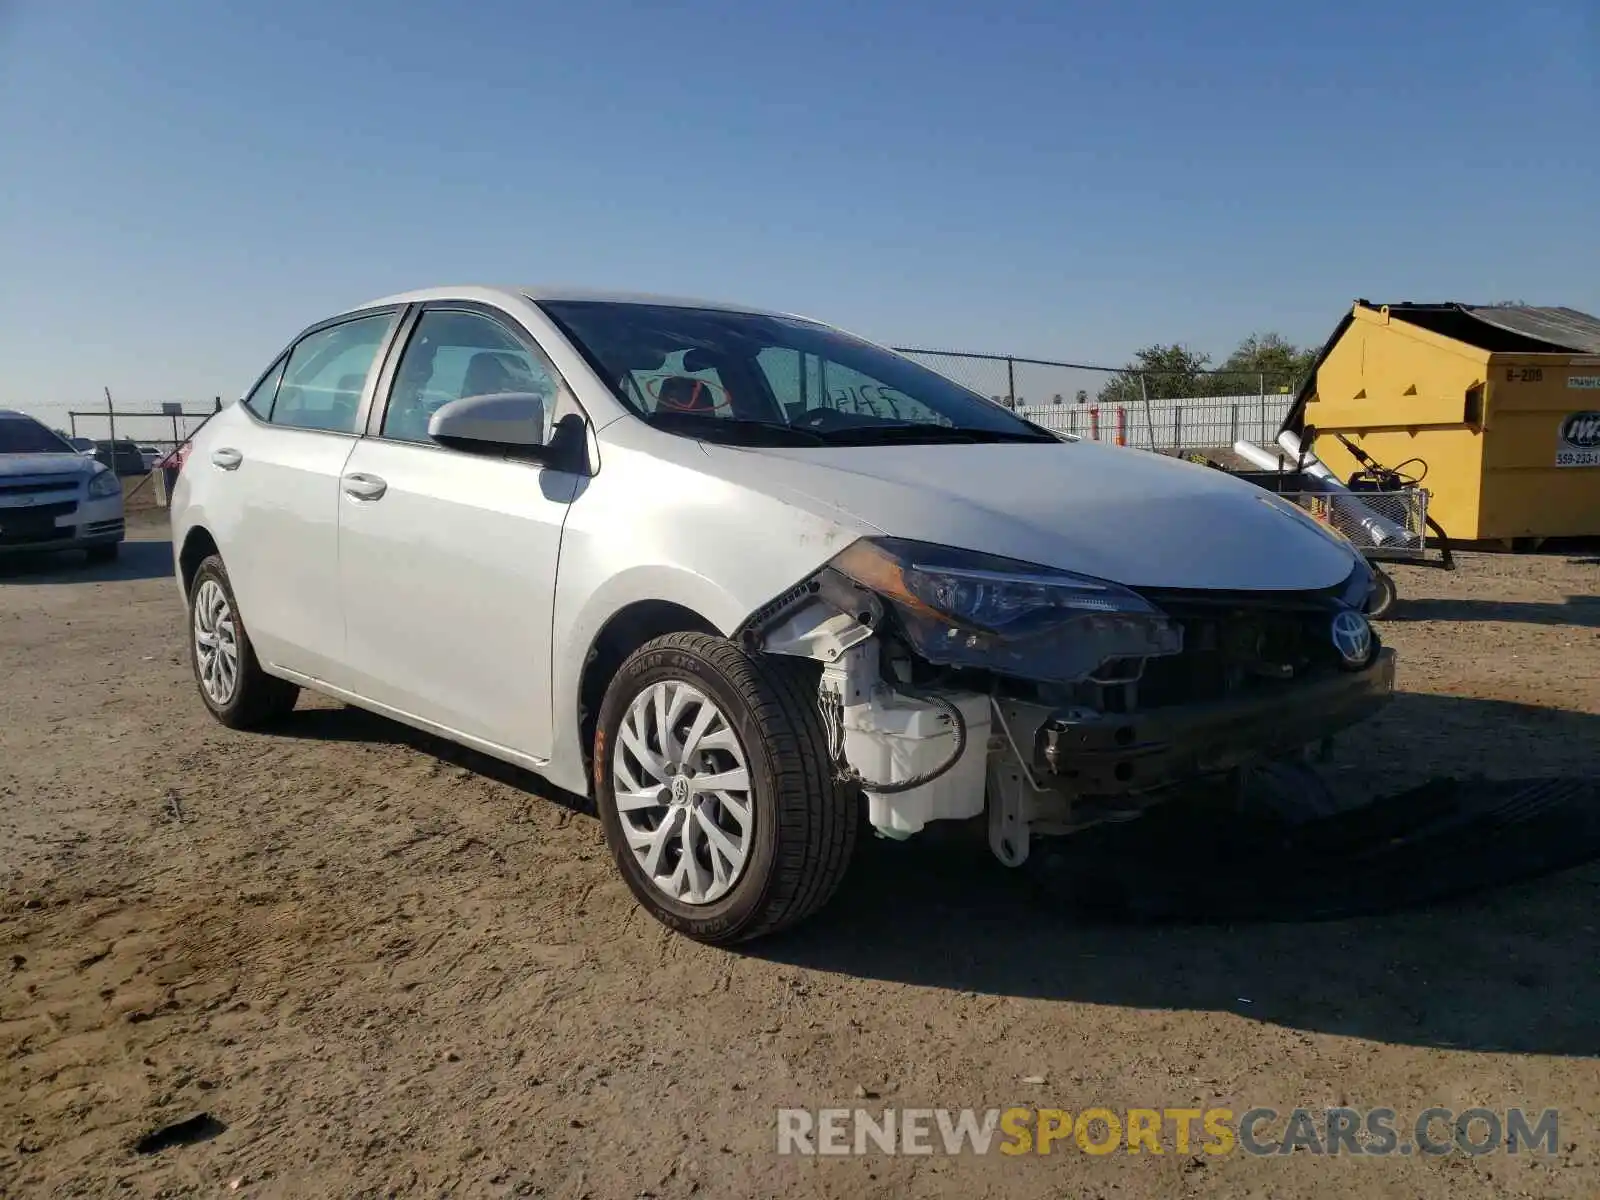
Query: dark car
x=127, y=459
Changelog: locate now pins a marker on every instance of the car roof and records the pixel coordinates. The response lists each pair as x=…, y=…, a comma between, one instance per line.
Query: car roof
x=500, y=293
x=12, y=412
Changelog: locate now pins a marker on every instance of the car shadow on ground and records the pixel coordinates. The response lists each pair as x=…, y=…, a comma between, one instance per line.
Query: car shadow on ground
x=1583, y=611
x=350, y=724
x=1500, y=972
x=1495, y=968
x=150, y=559
x=1503, y=968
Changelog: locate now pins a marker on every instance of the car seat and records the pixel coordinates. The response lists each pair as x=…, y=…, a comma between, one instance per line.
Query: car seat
x=682, y=393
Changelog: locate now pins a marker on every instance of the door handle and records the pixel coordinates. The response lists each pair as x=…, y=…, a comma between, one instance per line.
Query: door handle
x=364, y=487
x=227, y=458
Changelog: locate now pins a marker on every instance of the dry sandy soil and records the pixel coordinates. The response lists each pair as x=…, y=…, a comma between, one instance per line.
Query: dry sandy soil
x=388, y=969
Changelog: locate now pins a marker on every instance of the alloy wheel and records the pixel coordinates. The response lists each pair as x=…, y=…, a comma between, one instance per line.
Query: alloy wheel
x=216, y=642
x=682, y=787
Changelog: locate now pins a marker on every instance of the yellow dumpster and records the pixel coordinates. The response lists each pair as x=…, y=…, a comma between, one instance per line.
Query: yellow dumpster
x=1497, y=408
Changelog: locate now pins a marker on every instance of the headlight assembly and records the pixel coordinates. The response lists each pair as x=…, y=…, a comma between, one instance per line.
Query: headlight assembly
x=967, y=609
x=103, y=483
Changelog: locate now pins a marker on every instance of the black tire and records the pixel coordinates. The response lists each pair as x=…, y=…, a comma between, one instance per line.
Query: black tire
x=805, y=821
x=1384, y=595
x=103, y=554
x=258, y=699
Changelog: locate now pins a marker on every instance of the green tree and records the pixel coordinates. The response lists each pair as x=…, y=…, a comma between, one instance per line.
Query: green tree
x=1169, y=373
x=1265, y=360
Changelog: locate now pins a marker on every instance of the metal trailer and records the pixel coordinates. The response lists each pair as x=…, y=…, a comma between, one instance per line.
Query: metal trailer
x=1385, y=519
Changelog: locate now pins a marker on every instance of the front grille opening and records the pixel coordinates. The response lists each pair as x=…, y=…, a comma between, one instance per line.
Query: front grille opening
x=1228, y=653
x=37, y=487
x=1238, y=653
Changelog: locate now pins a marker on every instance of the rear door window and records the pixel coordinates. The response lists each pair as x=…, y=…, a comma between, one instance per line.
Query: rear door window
x=326, y=373
x=259, y=401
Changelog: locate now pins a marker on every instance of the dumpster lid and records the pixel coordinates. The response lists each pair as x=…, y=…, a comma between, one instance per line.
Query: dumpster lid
x=1506, y=329
x=1564, y=328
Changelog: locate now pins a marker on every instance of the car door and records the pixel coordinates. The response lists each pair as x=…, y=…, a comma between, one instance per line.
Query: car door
x=447, y=559
x=274, y=494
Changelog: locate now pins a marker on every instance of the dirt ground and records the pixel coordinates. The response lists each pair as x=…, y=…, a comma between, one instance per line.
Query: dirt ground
x=383, y=968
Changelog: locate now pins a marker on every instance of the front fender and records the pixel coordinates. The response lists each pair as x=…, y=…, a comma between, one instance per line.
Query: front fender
x=648, y=529
x=576, y=630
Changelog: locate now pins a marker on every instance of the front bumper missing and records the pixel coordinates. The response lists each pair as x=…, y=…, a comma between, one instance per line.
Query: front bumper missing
x=1124, y=754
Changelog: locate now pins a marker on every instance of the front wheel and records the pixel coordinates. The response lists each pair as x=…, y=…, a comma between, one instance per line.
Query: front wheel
x=1384, y=594
x=716, y=790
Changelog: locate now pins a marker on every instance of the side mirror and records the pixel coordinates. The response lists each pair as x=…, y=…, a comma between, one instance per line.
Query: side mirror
x=504, y=421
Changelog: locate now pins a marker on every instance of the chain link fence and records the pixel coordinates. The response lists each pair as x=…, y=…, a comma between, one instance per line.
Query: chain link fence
x=162, y=431
x=1201, y=410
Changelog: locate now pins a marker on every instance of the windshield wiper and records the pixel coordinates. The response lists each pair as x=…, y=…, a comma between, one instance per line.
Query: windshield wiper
x=740, y=430
x=912, y=432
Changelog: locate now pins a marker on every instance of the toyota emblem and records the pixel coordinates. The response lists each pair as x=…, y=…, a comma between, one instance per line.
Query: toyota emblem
x=1352, y=638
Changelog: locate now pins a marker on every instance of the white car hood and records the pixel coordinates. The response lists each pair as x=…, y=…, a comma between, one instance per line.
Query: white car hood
x=1142, y=519
x=65, y=463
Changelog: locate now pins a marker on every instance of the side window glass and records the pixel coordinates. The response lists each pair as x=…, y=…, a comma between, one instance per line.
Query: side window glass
x=260, y=400
x=451, y=355
x=326, y=371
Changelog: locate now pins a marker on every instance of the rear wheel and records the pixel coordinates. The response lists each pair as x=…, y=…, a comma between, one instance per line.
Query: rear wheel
x=234, y=687
x=716, y=790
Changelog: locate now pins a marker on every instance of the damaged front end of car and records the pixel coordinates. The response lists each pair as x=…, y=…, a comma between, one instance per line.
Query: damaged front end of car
x=956, y=684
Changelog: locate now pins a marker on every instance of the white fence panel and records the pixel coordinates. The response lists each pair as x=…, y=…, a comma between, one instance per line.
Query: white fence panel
x=1190, y=423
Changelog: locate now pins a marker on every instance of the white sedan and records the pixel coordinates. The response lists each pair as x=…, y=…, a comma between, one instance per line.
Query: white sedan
x=751, y=583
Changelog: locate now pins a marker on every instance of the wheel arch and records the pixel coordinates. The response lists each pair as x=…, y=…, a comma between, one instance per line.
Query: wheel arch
x=198, y=545
x=599, y=619
x=624, y=632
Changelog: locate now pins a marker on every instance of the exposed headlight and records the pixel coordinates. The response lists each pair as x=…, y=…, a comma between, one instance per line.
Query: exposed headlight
x=104, y=482
x=964, y=608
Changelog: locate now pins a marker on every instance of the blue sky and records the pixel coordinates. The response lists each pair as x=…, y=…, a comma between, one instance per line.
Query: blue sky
x=189, y=183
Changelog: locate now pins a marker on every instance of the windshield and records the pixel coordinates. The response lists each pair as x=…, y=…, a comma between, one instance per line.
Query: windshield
x=749, y=377
x=24, y=435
